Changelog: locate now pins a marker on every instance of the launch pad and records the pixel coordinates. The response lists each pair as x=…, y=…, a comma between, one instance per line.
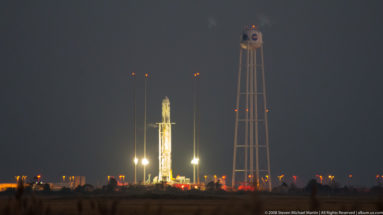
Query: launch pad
x=165, y=143
x=165, y=174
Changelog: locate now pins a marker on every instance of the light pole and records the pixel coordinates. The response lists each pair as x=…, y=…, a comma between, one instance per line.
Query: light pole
x=144, y=160
x=135, y=169
x=144, y=163
x=135, y=129
x=195, y=160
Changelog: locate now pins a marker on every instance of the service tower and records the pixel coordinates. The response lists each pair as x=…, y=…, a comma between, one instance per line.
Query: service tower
x=165, y=143
x=251, y=135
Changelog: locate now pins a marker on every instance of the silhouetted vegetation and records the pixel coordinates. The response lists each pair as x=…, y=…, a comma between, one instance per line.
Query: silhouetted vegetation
x=214, y=186
x=138, y=199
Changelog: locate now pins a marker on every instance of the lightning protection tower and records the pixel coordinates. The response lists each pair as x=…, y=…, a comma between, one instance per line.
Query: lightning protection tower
x=251, y=160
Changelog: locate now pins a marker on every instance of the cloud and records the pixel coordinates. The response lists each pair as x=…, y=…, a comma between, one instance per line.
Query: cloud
x=211, y=22
x=264, y=21
x=152, y=125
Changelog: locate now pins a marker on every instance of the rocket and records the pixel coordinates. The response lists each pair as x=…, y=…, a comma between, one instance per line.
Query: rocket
x=165, y=143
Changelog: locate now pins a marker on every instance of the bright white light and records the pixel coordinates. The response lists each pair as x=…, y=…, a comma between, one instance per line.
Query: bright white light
x=135, y=161
x=195, y=161
x=145, y=162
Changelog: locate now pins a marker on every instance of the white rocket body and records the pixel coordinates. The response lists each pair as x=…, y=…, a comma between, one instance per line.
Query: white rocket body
x=165, y=143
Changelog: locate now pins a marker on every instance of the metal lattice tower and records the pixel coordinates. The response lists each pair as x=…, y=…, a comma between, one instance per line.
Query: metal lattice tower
x=165, y=143
x=251, y=159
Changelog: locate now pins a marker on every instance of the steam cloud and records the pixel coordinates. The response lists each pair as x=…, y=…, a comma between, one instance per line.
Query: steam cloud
x=211, y=22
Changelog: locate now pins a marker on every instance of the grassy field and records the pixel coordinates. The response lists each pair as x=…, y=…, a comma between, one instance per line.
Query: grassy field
x=184, y=204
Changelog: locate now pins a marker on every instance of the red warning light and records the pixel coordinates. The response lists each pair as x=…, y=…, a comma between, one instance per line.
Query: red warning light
x=236, y=110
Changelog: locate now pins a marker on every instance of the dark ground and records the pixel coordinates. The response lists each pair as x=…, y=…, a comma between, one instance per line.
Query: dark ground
x=227, y=203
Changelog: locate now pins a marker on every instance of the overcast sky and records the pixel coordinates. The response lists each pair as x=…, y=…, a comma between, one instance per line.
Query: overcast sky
x=66, y=97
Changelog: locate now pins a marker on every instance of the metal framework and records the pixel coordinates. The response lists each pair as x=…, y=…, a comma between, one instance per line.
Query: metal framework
x=165, y=143
x=251, y=135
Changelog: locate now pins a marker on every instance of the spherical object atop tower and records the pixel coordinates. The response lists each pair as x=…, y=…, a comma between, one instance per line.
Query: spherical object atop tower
x=251, y=38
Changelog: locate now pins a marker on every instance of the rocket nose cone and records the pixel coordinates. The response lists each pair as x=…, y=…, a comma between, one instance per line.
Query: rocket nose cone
x=166, y=100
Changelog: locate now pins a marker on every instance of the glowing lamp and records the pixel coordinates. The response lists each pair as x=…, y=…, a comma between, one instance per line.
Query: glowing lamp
x=195, y=161
x=145, y=162
x=135, y=161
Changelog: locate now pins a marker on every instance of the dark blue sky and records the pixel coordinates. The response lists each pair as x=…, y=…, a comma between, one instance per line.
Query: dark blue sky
x=65, y=93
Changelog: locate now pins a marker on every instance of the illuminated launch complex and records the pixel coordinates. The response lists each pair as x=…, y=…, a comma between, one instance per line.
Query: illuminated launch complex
x=165, y=143
x=251, y=156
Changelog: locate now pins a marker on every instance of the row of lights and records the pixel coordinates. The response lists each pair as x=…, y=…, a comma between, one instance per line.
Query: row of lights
x=147, y=75
x=134, y=74
x=247, y=110
x=321, y=178
x=20, y=177
x=70, y=178
x=144, y=161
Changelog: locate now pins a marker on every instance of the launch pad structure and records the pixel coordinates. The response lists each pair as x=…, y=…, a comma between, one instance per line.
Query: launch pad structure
x=251, y=154
x=165, y=143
